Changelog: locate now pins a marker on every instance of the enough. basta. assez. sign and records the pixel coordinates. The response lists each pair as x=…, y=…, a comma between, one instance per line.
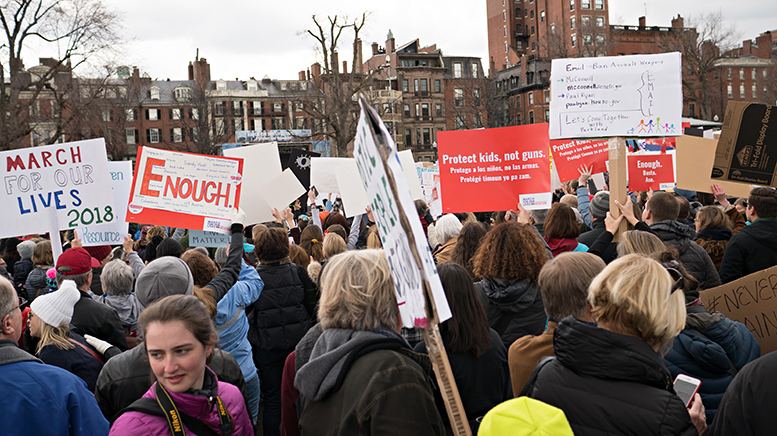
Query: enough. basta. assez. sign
x=55, y=187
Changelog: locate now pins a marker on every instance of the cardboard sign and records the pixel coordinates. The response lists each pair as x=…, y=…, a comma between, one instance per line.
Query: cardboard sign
x=694, y=163
x=639, y=95
x=62, y=185
x=491, y=169
x=747, y=149
x=282, y=190
x=570, y=154
x=355, y=198
x=394, y=210
x=199, y=238
x=112, y=233
x=651, y=171
x=187, y=190
x=262, y=163
x=751, y=300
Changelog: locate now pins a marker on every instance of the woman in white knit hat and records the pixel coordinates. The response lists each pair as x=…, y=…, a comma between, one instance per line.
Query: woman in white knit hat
x=49, y=322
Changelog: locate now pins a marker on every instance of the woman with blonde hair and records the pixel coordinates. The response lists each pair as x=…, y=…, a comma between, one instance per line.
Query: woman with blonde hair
x=713, y=231
x=639, y=242
x=362, y=377
x=333, y=245
x=49, y=322
x=619, y=360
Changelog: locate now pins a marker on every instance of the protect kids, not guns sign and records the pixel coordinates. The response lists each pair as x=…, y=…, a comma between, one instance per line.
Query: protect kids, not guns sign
x=186, y=190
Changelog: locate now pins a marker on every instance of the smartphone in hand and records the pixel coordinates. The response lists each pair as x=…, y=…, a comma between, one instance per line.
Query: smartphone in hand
x=686, y=387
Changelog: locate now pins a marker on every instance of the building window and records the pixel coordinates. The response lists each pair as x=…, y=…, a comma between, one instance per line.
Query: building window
x=417, y=110
x=574, y=39
x=531, y=13
x=277, y=107
x=765, y=73
x=600, y=40
x=130, y=114
x=752, y=73
x=741, y=74
x=405, y=86
x=766, y=92
x=152, y=114
x=219, y=108
x=741, y=90
x=257, y=107
x=459, y=122
x=458, y=97
x=532, y=30
x=599, y=5
x=106, y=115
x=600, y=21
x=587, y=39
x=406, y=110
x=131, y=135
x=730, y=91
x=194, y=114
x=547, y=115
x=408, y=137
x=237, y=108
x=238, y=124
x=438, y=110
x=542, y=16
x=476, y=96
x=194, y=134
x=177, y=134
x=553, y=29
x=175, y=113
x=278, y=123
x=585, y=4
x=425, y=111
x=531, y=98
x=427, y=135
x=182, y=94
x=572, y=23
x=531, y=117
x=386, y=108
x=475, y=72
x=153, y=136
x=571, y=5
x=437, y=85
x=585, y=21
x=729, y=73
x=153, y=93
x=424, y=87
x=457, y=70
x=754, y=92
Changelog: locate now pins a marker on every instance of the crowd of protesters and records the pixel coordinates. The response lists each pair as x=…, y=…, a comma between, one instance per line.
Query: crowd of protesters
x=558, y=326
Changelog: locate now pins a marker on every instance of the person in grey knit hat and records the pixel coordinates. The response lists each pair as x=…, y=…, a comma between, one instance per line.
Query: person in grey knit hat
x=162, y=277
x=24, y=266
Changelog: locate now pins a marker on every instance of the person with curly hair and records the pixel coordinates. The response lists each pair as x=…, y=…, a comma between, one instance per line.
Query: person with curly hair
x=713, y=231
x=509, y=262
x=470, y=238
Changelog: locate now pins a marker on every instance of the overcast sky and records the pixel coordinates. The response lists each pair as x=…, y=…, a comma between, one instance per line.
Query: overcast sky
x=244, y=38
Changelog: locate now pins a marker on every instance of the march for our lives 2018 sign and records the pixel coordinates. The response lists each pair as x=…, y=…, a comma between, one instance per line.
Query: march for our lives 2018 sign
x=635, y=96
x=64, y=185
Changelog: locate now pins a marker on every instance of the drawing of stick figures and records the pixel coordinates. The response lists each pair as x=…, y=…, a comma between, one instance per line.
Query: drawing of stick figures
x=650, y=126
x=641, y=126
x=658, y=123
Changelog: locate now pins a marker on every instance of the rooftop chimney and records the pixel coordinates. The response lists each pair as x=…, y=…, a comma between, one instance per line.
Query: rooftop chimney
x=375, y=47
x=334, y=62
x=357, y=48
x=642, y=22
x=390, y=42
x=301, y=75
x=315, y=71
x=678, y=22
x=345, y=67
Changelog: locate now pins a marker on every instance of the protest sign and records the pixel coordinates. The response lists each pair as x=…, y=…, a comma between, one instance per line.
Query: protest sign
x=571, y=154
x=493, y=169
x=429, y=177
x=355, y=198
x=651, y=171
x=299, y=162
x=408, y=165
x=282, y=190
x=639, y=95
x=186, y=190
x=262, y=163
x=323, y=172
x=55, y=187
x=112, y=233
x=747, y=148
x=200, y=238
x=751, y=300
x=411, y=260
x=695, y=157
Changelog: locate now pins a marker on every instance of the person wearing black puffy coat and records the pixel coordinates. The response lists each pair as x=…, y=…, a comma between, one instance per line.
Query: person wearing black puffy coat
x=278, y=319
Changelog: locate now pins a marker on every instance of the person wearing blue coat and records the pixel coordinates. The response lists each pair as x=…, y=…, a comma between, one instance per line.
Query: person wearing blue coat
x=39, y=399
x=232, y=326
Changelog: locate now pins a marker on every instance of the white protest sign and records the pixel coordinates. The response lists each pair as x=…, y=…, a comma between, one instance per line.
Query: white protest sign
x=323, y=172
x=185, y=190
x=429, y=177
x=639, y=95
x=112, y=233
x=386, y=207
x=262, y=163
x=408, y=163
x=62, y=185
x=355, y=198
x=282, y=190
x=199, y=238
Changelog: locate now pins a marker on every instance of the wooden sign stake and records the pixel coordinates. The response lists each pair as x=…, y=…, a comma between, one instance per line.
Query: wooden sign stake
x=617, y=169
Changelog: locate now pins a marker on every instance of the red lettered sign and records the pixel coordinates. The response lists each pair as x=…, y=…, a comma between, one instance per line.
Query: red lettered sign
x=493, y=169
x=650, y=171
x=571, y=154
x=186, y=190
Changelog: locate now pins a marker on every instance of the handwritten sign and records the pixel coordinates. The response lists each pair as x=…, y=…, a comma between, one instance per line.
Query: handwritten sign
x=62, y=185
x=751, y=300
x=200, y=238
x=747, y=148
x=429, y=177
x=112, y=233
x=638, y=95
x=571, y=154
x=186, y=190
x=388, y=207
x=492, y=169
x=651, y=171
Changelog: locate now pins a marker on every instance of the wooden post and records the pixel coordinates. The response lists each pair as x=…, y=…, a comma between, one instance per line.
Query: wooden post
x=617, y=169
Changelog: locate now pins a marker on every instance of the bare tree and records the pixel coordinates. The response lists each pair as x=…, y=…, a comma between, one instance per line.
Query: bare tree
x=702, y=42
x=471, y=107
x=76, y=29
x=334, y=109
